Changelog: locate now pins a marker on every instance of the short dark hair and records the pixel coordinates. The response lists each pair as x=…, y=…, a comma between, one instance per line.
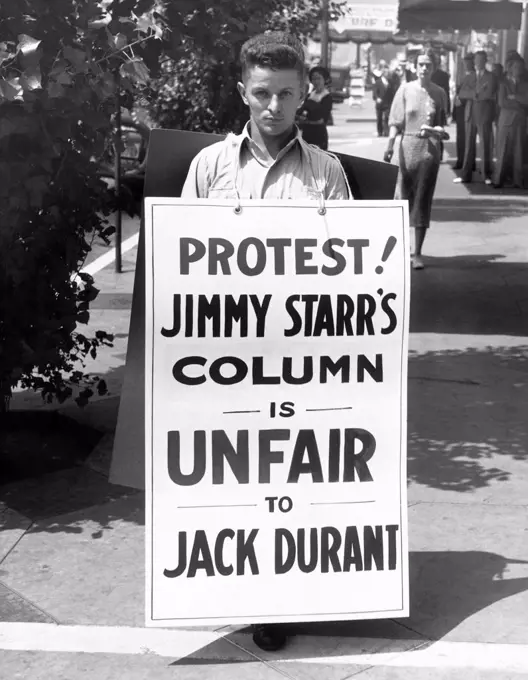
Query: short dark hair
x=277, y=50
x=482, y=53
x=322, y=71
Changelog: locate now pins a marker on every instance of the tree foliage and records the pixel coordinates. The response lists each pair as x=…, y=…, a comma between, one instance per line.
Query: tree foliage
x=59, y=60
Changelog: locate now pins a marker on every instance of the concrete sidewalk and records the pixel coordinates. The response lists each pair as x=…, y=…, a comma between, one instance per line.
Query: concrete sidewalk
x=72, y=545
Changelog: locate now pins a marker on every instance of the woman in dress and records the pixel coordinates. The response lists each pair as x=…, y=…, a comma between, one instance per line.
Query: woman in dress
x=316, y=112
x=418, y=114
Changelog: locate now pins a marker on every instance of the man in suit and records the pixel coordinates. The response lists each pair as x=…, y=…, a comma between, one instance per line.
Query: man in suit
x=459, y=106
x=480, y=91
x=441, y=78
x=511, y=128
x=383, y=94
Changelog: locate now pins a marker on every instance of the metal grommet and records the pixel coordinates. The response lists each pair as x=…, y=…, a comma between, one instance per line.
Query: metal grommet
x=322, y=211
x=237, y=209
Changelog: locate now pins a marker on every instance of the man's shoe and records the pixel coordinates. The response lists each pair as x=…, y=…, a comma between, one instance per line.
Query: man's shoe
x=269, y=637
x=461, y=180
x=488, y=181
x=457, y=166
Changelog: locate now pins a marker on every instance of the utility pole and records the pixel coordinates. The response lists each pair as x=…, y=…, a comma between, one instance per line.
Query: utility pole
x=324, y=33
x=117, y=176
x=521, y=39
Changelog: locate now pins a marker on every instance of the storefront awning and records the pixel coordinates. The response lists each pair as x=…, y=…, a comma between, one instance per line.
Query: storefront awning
x=401, y=38
x=461, y=15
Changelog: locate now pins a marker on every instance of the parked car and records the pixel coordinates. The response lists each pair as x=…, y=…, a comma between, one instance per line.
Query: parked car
x=339, y=96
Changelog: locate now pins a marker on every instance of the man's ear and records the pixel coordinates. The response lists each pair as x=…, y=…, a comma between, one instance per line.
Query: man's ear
x=242, y=91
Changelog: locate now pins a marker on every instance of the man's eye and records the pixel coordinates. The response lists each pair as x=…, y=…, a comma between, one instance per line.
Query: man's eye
x=285, y=95
x=261, y=93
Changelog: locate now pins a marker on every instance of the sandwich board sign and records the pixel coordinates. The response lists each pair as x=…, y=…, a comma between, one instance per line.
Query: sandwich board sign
x=276, y=343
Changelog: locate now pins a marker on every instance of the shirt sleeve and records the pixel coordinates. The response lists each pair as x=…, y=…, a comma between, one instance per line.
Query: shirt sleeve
x=197, y=184
x=336, y=183
x=397, y=112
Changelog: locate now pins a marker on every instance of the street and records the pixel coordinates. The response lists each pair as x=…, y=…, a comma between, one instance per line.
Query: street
x=72, y=544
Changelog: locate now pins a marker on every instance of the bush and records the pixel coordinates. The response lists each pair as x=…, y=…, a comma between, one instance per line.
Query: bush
x=59, y=62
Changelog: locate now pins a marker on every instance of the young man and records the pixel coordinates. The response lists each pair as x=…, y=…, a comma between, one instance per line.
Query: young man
x=269, y=159
x=480, y=90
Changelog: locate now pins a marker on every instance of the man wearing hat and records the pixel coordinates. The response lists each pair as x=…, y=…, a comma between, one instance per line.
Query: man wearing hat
x=459, y=106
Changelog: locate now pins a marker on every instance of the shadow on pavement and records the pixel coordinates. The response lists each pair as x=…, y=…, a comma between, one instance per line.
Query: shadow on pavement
x=470, y=294
x=468, y=403
x=446, y=589
x=485, y=212
x=467, y=419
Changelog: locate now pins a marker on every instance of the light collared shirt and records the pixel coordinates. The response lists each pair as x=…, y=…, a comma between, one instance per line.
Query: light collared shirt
x=237, y=168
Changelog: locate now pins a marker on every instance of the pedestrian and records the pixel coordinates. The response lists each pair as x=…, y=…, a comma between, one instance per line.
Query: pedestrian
x=316, y=112
x=269, y=160
x=459, y=106
x=511, y=127
x=498, y=71
x=383, y=93
x=480, y=91
x=441, y=78
x=418, y=114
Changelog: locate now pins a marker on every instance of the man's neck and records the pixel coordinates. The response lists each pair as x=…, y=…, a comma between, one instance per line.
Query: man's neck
x=272, y=145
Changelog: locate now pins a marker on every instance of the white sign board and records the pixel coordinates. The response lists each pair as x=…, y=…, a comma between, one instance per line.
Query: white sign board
x=368, y=16
x=276, y=374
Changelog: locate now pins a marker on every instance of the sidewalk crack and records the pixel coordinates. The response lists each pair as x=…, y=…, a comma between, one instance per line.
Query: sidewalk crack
x=269, y=664
x=30, y=603
x=4, y=558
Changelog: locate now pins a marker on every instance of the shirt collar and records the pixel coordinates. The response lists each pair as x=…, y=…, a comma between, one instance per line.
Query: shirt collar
x=246, y=141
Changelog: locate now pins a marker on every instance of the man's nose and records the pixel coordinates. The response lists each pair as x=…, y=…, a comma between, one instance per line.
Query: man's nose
x=274, y=104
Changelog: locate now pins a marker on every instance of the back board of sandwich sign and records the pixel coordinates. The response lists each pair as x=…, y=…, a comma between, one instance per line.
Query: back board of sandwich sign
x=169, y=157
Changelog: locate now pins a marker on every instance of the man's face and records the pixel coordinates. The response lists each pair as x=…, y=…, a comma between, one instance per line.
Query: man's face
x=385, y=71
x=480, y=62
x=273, y=98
